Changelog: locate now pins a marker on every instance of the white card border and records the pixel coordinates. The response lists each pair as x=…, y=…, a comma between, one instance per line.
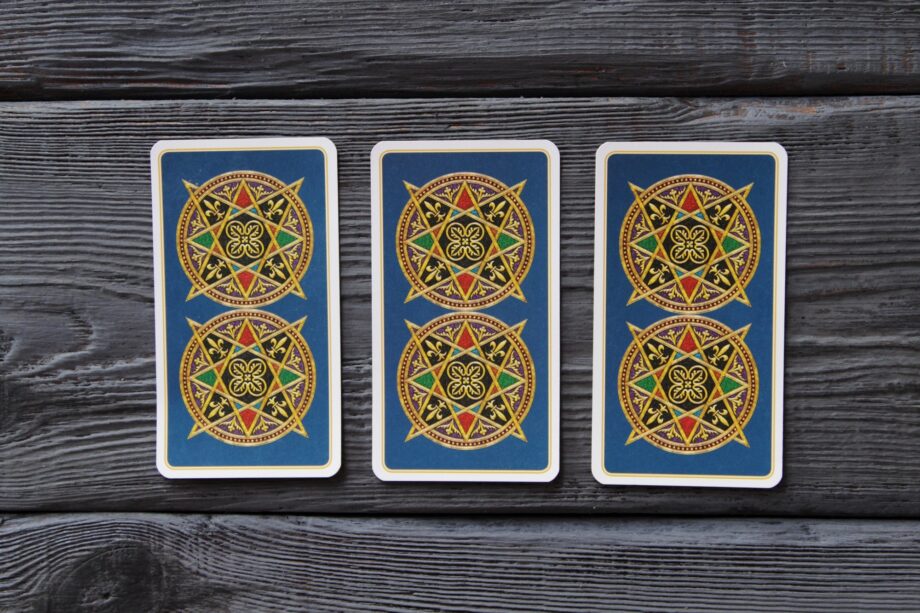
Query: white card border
x=380, y=469
x=600, y=290
x=332, y=274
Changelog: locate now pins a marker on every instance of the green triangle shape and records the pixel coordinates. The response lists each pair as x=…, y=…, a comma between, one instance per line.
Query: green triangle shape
x=286, y=376
x=648, y=383
x=208, y=378
x=504, y=380
x=426, y=380
x=205, y=240
x=425, y=241
x=505, y=241
x=285, y=238
x=729, y=244
x=729, y=385
x=649, y=243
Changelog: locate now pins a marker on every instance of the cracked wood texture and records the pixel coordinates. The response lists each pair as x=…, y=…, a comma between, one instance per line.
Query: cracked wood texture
x=278, y=48
x=141, y=562
x=76, y=305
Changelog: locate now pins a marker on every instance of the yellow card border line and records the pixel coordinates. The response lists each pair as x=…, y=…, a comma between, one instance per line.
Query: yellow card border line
x=327, y=148
x=378, y=154
x=604, y=153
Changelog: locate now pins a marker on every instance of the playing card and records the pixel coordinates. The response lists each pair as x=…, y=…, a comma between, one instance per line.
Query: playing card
x=465, y=310
x=689, y=295
x=247, y=302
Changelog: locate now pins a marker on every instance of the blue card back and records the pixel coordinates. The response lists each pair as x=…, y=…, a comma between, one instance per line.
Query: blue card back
x=689, y=314
x=465, y=310
x=246, y=268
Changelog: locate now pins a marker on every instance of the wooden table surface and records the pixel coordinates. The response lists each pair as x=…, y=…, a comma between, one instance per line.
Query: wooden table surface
x=87, y=523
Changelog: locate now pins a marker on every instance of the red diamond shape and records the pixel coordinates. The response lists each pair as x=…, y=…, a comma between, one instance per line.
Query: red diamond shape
x=465, y=280
x=245, y=278
x=242, y=197
x=689, y=284
x=248, y=416
x=246, y=338
x=465, y=340
x=466, y=420
x=465, y=200
x=688, y=345
x=686, y=424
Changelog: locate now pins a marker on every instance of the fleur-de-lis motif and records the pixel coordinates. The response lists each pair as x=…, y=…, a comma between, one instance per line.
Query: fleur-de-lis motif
x=721, y=212
x=277, y=345
x=274, y=207
x=466, y=380
x=435, y=410
x=721, y=275
x=658, y=212
x=495, y=272
x=720, y=415
x=216, y=347
x=246, y=377
x=720, y=354
x=496, y=349
x=689, y=244
x=212, y=209
x=496, y=209
x=435, y=213
x=275, y=269
x=656, y=274
x=277, y=406
x=496, y=410
x=688, y=383
x=436, y=350
x=435, y=272
x=655, y=416
x=215, y=270
x=244, y=239
x=465, y=241
x=217, y=407
x=656, y=353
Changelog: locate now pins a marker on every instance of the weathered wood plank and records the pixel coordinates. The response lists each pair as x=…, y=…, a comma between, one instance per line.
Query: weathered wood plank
x=115, y=562
x=76, y=313
x=279, y=48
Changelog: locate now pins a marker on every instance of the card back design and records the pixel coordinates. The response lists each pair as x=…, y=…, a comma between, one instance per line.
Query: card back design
x=688, y=384
x=690, y=243
x=466, y=381
x=465, y=268
x=246, y=265
x=689, y=290
x=247, y=377
x=245, y=239
x=466, y=241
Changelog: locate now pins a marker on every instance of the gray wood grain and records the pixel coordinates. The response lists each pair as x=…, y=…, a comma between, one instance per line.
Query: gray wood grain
x=279, y=48
x=140, y=562
x=76, y=312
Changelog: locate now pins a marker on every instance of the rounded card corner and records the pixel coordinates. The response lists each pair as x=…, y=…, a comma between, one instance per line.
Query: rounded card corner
x=165, y=470
x=381, y=472
x=379, y=149
x=775, y=478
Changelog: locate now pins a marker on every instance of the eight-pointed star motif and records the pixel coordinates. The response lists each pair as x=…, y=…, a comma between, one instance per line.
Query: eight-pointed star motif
x=690, y=243
x=465, y=241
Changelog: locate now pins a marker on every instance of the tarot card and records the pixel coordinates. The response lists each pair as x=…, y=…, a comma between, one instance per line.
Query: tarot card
x=247, y=302
x=465, y=240
x=688, y=314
